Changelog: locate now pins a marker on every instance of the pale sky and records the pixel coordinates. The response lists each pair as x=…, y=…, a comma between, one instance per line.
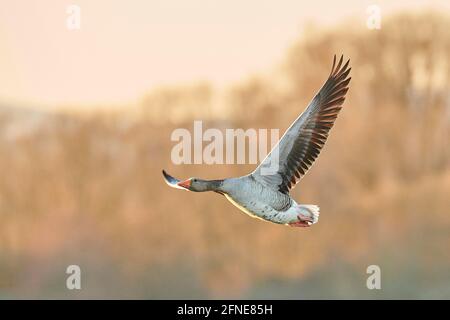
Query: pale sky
x=126, y=48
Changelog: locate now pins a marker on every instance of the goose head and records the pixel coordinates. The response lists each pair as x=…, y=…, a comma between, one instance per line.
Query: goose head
x=193, y=184
x=196, y=185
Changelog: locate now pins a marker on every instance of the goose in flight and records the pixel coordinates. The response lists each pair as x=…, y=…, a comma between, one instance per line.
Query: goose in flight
x=265, y=195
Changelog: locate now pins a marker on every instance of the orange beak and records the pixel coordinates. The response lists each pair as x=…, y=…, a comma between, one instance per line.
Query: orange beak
x=185, y=184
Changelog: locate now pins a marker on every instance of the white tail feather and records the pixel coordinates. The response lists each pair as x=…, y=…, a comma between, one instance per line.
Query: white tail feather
x=309, y=210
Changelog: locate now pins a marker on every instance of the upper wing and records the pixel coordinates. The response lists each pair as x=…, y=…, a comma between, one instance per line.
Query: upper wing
x=302, y=142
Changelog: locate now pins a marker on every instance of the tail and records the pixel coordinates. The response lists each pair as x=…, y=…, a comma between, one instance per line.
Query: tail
x=307, y=215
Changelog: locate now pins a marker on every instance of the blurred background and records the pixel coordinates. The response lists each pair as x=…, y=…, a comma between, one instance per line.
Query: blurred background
x=85, y=122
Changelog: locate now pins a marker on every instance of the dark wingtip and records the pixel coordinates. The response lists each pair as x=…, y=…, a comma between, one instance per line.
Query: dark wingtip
x=338, y=68
x=334, y=64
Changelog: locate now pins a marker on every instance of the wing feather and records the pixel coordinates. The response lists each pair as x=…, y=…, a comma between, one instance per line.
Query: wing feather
x=305, y=138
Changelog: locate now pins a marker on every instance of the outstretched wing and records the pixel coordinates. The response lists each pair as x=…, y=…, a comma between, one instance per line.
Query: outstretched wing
x=302, y=142
x=171, y=181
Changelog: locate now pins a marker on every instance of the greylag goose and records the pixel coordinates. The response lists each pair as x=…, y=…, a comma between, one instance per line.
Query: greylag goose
x=266, y=196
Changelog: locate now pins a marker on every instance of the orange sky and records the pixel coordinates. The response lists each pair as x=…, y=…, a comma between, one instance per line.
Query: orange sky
x=125, y=48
